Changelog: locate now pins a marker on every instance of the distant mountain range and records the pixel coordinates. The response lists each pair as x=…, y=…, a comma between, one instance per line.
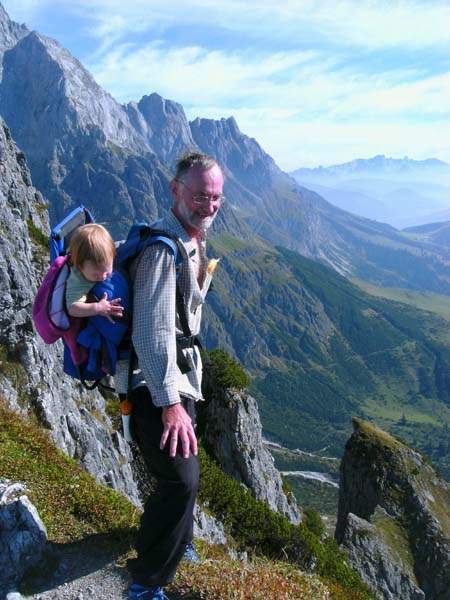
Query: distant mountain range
x=382, y=166
x=401, y=192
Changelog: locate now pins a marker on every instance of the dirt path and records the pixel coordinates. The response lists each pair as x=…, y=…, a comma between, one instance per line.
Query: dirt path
x=88, y=570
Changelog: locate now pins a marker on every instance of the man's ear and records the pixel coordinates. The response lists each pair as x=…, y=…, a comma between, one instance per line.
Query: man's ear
x=174, y=188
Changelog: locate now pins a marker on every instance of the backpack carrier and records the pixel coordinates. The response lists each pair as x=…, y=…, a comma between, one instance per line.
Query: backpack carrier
x=93, y=345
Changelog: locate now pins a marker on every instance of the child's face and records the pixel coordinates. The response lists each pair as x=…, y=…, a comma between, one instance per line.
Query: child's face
x=96, y=271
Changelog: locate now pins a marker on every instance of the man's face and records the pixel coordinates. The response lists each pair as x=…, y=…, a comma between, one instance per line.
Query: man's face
x=198, y=183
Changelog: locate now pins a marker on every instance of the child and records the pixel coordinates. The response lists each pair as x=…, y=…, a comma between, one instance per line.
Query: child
x=92, y=253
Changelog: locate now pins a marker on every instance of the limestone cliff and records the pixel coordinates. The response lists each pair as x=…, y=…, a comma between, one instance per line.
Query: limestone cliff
x=31, y=377
x=394, y=517
x=233, y=431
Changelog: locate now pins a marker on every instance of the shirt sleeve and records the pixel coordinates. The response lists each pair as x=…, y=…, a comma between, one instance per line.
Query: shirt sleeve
x=154, y=323
x=76, y=288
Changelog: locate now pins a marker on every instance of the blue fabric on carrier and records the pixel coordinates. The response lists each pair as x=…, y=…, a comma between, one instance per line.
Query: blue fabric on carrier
x=101, y=337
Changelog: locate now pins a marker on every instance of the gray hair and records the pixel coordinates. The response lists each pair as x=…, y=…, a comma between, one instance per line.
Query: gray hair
x=190, y=159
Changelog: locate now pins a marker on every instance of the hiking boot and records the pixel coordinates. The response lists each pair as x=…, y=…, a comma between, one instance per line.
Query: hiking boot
x=137, y=592
x=190, y=554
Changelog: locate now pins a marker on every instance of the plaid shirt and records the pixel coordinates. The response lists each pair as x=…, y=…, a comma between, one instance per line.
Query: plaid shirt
x=155, y=320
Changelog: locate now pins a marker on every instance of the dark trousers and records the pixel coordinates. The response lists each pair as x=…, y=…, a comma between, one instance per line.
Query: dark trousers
x=167, y=522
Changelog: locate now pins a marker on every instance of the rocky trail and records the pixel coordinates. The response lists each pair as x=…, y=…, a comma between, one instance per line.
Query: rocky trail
x=87, y=570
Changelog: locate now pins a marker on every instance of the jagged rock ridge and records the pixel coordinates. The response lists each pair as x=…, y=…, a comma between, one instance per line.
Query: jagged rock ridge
x=394, y=517
x=79, y=142
x=163, y=124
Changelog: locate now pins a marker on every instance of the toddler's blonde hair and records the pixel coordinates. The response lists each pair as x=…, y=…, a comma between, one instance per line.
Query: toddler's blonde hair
x=91, y=242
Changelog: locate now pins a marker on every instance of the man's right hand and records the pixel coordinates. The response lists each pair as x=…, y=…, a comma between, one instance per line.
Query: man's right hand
x=178, y=426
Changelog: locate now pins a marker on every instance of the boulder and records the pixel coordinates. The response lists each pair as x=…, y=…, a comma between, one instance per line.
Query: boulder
x=23, y=536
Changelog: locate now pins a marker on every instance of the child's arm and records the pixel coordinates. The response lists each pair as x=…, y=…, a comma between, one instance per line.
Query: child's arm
x=102, y=308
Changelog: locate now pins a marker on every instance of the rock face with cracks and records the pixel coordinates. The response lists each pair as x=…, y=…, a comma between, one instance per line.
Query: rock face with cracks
x=233, y=431
x=394, y=517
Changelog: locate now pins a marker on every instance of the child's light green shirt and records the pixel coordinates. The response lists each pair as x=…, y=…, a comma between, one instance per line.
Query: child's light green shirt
x=77, y=287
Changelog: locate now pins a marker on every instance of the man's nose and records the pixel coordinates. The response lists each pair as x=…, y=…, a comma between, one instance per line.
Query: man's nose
x=211, y=207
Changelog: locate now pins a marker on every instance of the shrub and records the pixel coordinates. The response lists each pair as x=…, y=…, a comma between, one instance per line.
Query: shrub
x=313, y=521
x=256, y=527
x=226, y=371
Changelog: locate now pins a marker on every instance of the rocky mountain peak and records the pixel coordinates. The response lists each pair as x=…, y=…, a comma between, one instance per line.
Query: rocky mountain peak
x=79, y=142
x=232, y=140
x=239, y=154
x=393, y=517
x=163, y=124
x=46, y=89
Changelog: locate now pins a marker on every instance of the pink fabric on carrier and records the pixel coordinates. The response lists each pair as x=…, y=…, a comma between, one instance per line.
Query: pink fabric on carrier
x=50, y=316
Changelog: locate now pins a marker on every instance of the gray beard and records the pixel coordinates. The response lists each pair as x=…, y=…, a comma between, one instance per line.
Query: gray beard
x=192, y=221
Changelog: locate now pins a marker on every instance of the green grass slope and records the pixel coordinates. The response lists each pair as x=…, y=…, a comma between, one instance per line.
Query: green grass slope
x=320, y=350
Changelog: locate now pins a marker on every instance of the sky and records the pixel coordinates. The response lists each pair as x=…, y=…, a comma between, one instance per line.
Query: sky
x=315, y=82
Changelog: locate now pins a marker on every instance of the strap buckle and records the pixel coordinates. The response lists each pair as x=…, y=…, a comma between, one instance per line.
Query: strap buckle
x=185, y=341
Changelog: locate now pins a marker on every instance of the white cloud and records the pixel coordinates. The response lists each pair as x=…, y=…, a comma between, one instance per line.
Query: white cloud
x=194, y=75
x=385, y=23
x=361, y=23
x=26, y=10
x=307, y=82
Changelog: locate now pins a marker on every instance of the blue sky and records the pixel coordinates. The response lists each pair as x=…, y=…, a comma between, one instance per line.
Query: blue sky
x=314, y=81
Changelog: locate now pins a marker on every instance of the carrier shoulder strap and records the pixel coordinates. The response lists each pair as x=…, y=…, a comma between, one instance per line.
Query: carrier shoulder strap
x=150, y=236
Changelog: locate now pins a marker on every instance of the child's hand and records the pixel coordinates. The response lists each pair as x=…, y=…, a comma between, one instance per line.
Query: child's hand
x=109, y=308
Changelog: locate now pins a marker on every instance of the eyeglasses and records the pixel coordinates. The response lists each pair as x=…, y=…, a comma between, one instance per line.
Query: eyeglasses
x=204, y=199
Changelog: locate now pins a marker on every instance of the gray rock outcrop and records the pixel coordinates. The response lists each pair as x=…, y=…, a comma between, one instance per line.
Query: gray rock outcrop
x=23, y=536
x=208, y=528
x=384, y=566
x=394, y=517
x=31, y=375
x=234, y=433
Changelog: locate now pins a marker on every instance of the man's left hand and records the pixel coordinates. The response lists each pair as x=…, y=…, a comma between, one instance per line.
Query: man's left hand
x=178, y=426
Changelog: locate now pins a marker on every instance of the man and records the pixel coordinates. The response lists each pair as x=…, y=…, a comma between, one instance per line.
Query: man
x=164, y=390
